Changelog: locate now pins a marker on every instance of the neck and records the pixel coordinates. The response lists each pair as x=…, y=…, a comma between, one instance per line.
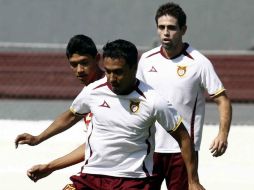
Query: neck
x=169, y=53
x=131, y=87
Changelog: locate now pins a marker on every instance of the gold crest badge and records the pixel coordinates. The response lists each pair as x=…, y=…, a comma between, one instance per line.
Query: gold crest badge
x=134, y=106
x=181, y=70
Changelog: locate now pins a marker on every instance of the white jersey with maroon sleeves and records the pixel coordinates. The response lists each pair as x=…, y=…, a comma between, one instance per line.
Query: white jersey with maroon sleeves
x=181, y=80
x=121, y=138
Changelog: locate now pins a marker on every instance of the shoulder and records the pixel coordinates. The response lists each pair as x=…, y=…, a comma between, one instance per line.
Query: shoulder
x=149, y=92
x=197, y=55
x=95, y=85
x=151, y=53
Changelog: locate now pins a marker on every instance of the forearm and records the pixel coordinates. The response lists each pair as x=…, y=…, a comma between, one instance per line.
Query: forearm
x=76, y=156
x=225, y=114
x=225, y=117
x=190, y=160
x=61, y=123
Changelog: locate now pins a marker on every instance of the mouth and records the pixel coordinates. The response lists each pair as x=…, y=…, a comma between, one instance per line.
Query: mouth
x=166, y=40
x=81, y=76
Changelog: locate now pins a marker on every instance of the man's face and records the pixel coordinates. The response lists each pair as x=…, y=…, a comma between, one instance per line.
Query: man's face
x=84, y=67
x=169, y=32
x=120, y=76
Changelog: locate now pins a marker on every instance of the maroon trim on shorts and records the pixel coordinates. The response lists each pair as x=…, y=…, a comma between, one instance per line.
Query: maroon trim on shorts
x=104, y=182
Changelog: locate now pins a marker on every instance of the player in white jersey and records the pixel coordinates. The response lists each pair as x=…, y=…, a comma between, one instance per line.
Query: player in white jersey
x=84, y=58
x=120, y=142
x=120, y=145
x=181, y=74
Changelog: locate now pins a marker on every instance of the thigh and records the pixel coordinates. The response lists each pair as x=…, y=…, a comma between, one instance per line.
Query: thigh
x=85, y=182
x=103, y=182
x=176, y=177
x=133, y=184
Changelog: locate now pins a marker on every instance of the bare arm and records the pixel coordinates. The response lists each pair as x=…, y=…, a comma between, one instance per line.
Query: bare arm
x=219, y=144
x=43, y=170
x=187, y=149
x=62, y=123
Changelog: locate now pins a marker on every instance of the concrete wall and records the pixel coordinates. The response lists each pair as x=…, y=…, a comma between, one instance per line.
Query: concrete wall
x=220, y=25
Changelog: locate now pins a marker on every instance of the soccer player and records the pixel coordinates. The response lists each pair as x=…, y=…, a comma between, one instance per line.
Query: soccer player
x=181, y=74
x=84, y=59
x=119, y=150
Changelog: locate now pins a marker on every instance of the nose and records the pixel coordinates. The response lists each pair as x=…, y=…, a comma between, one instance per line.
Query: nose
x=80, y=68
x=112, y=78
x=166, y=31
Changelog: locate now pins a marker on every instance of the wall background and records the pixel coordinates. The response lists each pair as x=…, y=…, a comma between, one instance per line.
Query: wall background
x=212, y=25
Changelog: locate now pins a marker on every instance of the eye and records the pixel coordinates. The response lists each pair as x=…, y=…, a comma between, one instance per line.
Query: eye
x=118, y=72
x=172, y=27
x=84, y=63
x=161, y=27
x=73, y=64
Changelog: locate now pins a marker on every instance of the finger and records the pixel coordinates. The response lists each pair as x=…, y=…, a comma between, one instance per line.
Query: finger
x=17, y=141
x=213, y=144
x=19, y=138
x=213, y=149
x=222, y=150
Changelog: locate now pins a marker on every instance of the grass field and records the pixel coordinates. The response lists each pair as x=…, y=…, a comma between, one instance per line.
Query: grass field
x=232, y=171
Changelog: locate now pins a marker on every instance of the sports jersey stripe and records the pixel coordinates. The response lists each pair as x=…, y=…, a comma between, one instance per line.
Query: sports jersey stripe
x=147, y=153
x=152, y=54
x=138, y=90
x=88, y=145
x=217, y=93
x=193, y=120
x=187, y=54
x=101, y=85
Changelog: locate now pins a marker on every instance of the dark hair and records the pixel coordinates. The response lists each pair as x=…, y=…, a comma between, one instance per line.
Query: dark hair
x=121, y=49
x=81, y=45
x=171, y=9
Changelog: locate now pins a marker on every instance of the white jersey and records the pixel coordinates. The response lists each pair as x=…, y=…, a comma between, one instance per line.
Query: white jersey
x=181, y=80
x=121, y=138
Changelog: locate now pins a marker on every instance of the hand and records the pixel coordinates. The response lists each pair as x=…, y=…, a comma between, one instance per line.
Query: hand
x=26, y=138
x=38, y=171
x=219, y=146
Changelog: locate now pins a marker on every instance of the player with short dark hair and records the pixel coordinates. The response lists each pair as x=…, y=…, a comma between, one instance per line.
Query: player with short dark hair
x=120, y=147
x=84, y=60
x=181, y=74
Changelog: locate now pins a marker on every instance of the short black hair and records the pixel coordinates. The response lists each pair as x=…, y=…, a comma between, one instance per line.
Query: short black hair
x=121, y=49
x=174, y=10
x=82, y=45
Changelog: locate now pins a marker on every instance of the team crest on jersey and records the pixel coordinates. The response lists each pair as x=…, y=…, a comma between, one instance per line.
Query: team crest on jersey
x=134, y=106
x=181, y=70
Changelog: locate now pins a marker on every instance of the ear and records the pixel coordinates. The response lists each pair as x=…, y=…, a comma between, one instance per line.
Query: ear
x=184, y=29
x=98, y=57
